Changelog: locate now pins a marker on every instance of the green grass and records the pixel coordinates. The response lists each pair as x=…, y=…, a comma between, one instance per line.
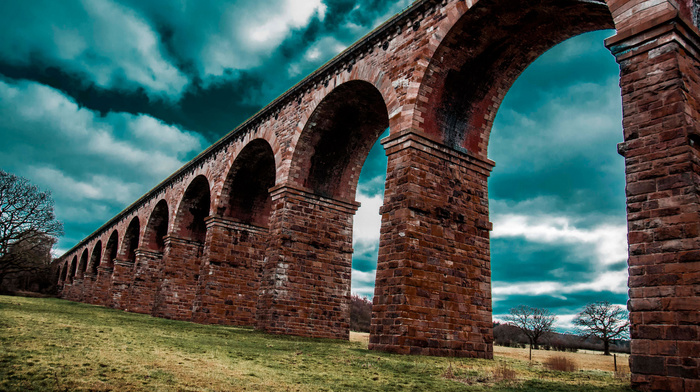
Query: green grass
x=56, y=345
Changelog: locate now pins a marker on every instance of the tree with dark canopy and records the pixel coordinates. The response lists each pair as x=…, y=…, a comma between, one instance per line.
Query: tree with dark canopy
x=604, y=321
x=534, y=322
x=28, y=226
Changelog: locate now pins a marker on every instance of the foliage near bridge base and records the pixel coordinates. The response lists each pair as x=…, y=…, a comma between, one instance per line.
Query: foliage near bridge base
x=56, y=345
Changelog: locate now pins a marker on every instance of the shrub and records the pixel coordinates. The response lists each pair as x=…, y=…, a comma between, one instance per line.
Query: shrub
x=503, y=372
x=561, y=364
x=360, y=313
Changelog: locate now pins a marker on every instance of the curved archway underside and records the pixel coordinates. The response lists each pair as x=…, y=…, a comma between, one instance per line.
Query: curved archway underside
x=274, y=252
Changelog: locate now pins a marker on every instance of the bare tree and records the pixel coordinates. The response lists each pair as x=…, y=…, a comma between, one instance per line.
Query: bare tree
x=27, y=225
x=604, y=321
x=534, y=322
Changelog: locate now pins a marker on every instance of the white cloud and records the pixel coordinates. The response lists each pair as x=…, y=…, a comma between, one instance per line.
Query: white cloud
x=110, y=44
x=249, y=32
x=609, y=241
x=367, y=221
x=615, y=281
x=95, y=165
x=363, y=283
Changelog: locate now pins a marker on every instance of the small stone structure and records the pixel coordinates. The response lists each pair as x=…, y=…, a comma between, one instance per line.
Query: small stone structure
x=257, y=230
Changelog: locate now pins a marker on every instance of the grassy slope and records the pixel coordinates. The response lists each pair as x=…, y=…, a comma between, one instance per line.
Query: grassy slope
x=56, y=345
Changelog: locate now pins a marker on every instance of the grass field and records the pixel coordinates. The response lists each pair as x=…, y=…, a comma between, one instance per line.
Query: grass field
x=56, y=345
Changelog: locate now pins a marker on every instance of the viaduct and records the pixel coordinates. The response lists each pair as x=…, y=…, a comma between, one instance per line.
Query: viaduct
x=257, y=229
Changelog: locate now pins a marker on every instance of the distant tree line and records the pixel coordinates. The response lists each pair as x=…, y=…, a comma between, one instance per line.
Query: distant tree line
x=600, y=326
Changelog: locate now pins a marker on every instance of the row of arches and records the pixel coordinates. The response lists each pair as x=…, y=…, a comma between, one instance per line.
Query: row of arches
x=246, y=199
x=442, y=81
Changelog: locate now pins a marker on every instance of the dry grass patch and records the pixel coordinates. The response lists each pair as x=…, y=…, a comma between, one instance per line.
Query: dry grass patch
x=589, y=360
x=560, y=363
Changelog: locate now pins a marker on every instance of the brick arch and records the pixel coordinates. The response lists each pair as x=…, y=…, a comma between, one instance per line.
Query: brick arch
x=63, y=273
x=73, y=266
x=95, y=258
x=131, y=240
x=336, y=139
x=245, y=195
x=194, y=207
x=481, y=56
x=82, y=267
x=111, y=249
x=157, y=227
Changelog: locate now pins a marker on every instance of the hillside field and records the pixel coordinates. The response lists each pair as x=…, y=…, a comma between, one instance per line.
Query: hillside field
x=56, y=345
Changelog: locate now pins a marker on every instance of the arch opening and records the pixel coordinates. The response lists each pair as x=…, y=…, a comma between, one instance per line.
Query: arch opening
x=112, y=249
x=63, y=273
x=247, y=185
x=194, y=208
x=157, y=227
x=483, y=54
x=82, y=267
x=73, y=267
x=566, y=181
x=337, y=138
x=96, y=257
x=131, y=240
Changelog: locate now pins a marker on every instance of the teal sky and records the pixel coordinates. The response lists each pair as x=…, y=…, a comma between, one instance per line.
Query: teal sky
x=101, y=100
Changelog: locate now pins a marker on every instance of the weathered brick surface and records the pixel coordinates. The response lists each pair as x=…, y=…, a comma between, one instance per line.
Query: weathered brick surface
x=433, y=272
x=122, y=276
x=305, y=286
x=660, y=80
x=145, y=282
x=436, y=76
x=227, y=291
x=176, y=294
x=101, y=287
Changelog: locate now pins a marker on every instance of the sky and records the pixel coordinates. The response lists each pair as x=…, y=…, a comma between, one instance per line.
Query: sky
x=101, y=100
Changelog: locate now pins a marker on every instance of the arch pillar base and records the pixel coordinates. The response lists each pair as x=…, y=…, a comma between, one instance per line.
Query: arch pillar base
x=660, y=81
x=433, y=288
x=147, y=270
x=176, y=293
x=101, y=286
x=122, y=277
x=227, y=291
x=305, y=286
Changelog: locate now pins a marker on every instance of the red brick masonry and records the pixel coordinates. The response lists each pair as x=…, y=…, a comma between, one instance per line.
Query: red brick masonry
x=257, y=230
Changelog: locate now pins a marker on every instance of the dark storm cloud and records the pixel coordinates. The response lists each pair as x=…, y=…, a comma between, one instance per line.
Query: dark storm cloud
x=515, y=259
x=568, y=304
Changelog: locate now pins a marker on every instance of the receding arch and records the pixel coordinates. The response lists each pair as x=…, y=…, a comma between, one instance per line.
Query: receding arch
x=157, y=227
x=337, y=138
x=111, y=249
x=73, y=267
x=193, y=209
x=82, y=267
x=245, y=195
x=131, y=240
x=63, y=272
x=482, y=55
x=96, y=257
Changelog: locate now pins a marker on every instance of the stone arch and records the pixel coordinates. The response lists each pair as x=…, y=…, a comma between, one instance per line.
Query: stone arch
x=63, y=272
x=193, y=209
x=157, y=227
x=96, y=257
x=111, y=249
x=131, y=240
x=73, y=266
x=82, y=267
x=337, y=138
x=245, y=194
x=482, y=55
